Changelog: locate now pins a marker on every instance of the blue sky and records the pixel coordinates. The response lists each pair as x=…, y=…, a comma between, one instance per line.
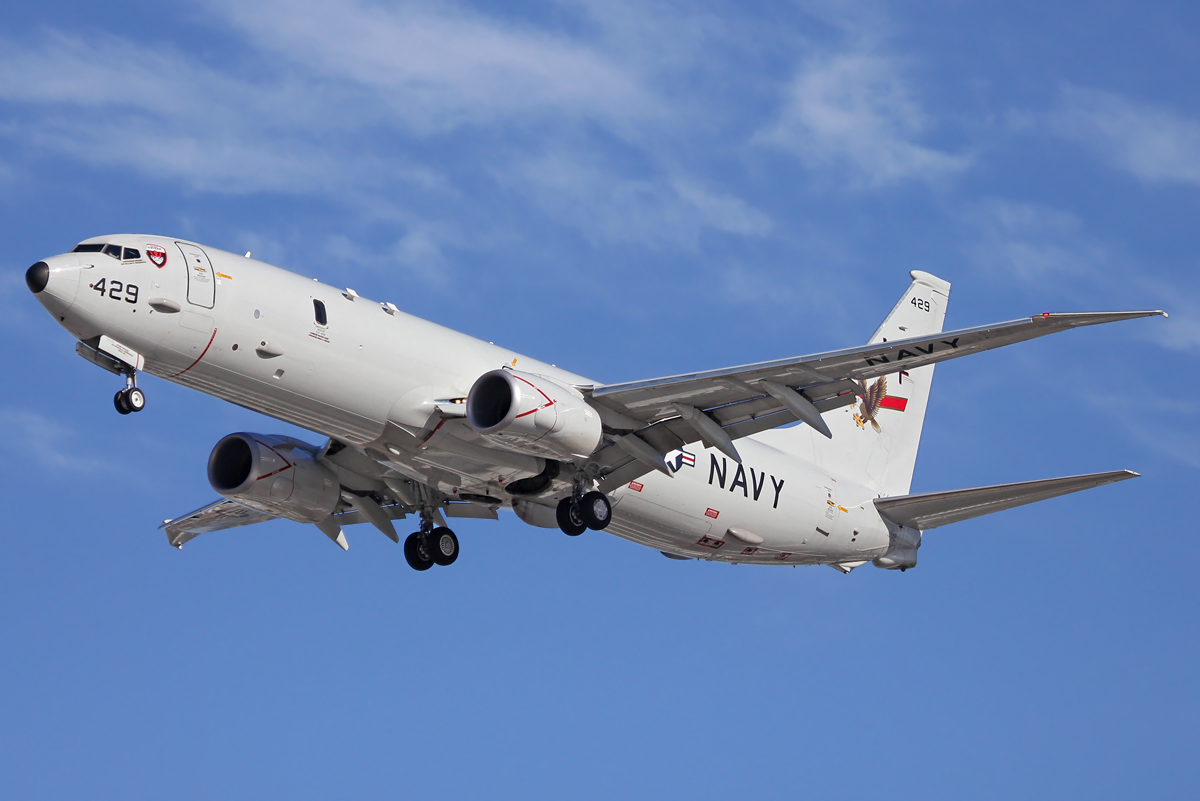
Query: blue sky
x=627, y=190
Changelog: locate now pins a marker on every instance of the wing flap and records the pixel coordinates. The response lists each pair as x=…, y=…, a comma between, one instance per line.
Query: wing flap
x=932, y=509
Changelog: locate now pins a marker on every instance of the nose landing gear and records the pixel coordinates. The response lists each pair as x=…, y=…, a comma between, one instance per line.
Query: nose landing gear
x=130, y=399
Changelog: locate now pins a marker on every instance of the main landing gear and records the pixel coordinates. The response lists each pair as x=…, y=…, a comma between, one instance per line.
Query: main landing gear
x=430, y=546
x=583, y=511
x=130, y=399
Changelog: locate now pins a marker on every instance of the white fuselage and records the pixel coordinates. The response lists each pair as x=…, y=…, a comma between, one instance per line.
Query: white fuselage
x=370, y=376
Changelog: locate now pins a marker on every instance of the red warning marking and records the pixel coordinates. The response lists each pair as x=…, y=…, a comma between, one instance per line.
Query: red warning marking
x=709, y=542
x=783, y=556
x=636, y=486
x=892, y=402
x=713, y=513
x=748, y=551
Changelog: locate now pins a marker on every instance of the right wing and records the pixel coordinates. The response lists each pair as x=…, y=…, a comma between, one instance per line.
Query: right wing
x=224, y=514
x=214, y=517
x=932, y=509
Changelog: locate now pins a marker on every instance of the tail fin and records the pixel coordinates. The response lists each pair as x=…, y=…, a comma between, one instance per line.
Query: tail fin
x=875, y=441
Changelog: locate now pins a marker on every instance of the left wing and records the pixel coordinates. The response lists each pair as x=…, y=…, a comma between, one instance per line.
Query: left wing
x=719, y=406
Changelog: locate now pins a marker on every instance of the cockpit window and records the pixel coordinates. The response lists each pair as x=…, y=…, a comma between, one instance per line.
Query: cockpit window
x=88, y=248
x=112, y=250
x=131, y=253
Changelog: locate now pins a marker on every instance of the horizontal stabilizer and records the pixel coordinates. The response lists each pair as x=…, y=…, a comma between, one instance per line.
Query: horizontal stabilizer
x=932, y=509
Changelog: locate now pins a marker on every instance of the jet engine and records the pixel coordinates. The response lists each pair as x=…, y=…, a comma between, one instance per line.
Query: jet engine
x=531, y=414
x=274, y=474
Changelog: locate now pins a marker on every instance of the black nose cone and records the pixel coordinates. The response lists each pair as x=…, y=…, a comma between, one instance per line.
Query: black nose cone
x=37, y=277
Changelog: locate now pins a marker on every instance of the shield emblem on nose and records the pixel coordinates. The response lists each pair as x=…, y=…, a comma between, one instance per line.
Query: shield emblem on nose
x=157, y=255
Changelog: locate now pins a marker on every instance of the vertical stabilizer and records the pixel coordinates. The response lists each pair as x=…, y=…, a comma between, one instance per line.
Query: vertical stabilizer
x=875, y=441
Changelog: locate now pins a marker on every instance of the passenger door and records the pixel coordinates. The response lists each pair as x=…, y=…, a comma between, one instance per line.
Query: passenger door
x=201, y=282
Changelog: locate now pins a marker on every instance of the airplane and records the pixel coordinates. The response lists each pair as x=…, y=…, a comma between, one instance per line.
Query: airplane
x=797, y=461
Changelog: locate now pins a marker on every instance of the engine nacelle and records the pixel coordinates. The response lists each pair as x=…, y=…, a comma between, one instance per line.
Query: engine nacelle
x=532, y=414
x=274, y=474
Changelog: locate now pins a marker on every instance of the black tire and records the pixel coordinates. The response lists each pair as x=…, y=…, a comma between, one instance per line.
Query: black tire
x=418, y=558
x=569, y=519
x=595, y=511
x=443, y=546
x=120, y=403
x=135, y=399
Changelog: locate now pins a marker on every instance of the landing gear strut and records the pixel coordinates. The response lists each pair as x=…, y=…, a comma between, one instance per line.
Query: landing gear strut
x=430, y=546
x=130, y=399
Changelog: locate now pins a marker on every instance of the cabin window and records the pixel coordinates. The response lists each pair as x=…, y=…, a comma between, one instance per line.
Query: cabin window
x=93, y=248
x=113, y=250
x=319, y=311
x=131, y=253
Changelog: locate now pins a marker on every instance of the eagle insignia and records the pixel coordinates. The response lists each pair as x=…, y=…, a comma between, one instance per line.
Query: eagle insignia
x=872, y=402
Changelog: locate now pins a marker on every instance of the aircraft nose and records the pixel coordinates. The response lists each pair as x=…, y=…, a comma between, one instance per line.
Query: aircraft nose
x=37, y=276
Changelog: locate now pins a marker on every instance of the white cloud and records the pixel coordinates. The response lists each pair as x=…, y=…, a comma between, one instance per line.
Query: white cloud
x=1034, y=243
x=419, y=253
x=48, y=443
x=1152, y=143
x=1051, y=253
x=101, y=100
x=852, y=111
x=438, y=67
x=1164, y=425
x=608, y=208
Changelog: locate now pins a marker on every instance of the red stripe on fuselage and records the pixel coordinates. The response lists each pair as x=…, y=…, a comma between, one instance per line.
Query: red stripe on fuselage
x=198, y=358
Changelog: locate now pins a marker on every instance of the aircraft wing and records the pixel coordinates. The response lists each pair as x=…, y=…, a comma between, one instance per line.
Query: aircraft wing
x=224, y=514
x=755, y=397
x=214, y=517
x=932, y=509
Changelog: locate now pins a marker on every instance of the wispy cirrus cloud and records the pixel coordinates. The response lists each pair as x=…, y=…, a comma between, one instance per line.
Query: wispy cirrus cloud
x=610, y=208
x=1033, y=243
x=1053, y=252
x=436, y=67
x=1151, y=142
x=48, y=443
x=852, y=112
x=99, y=99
